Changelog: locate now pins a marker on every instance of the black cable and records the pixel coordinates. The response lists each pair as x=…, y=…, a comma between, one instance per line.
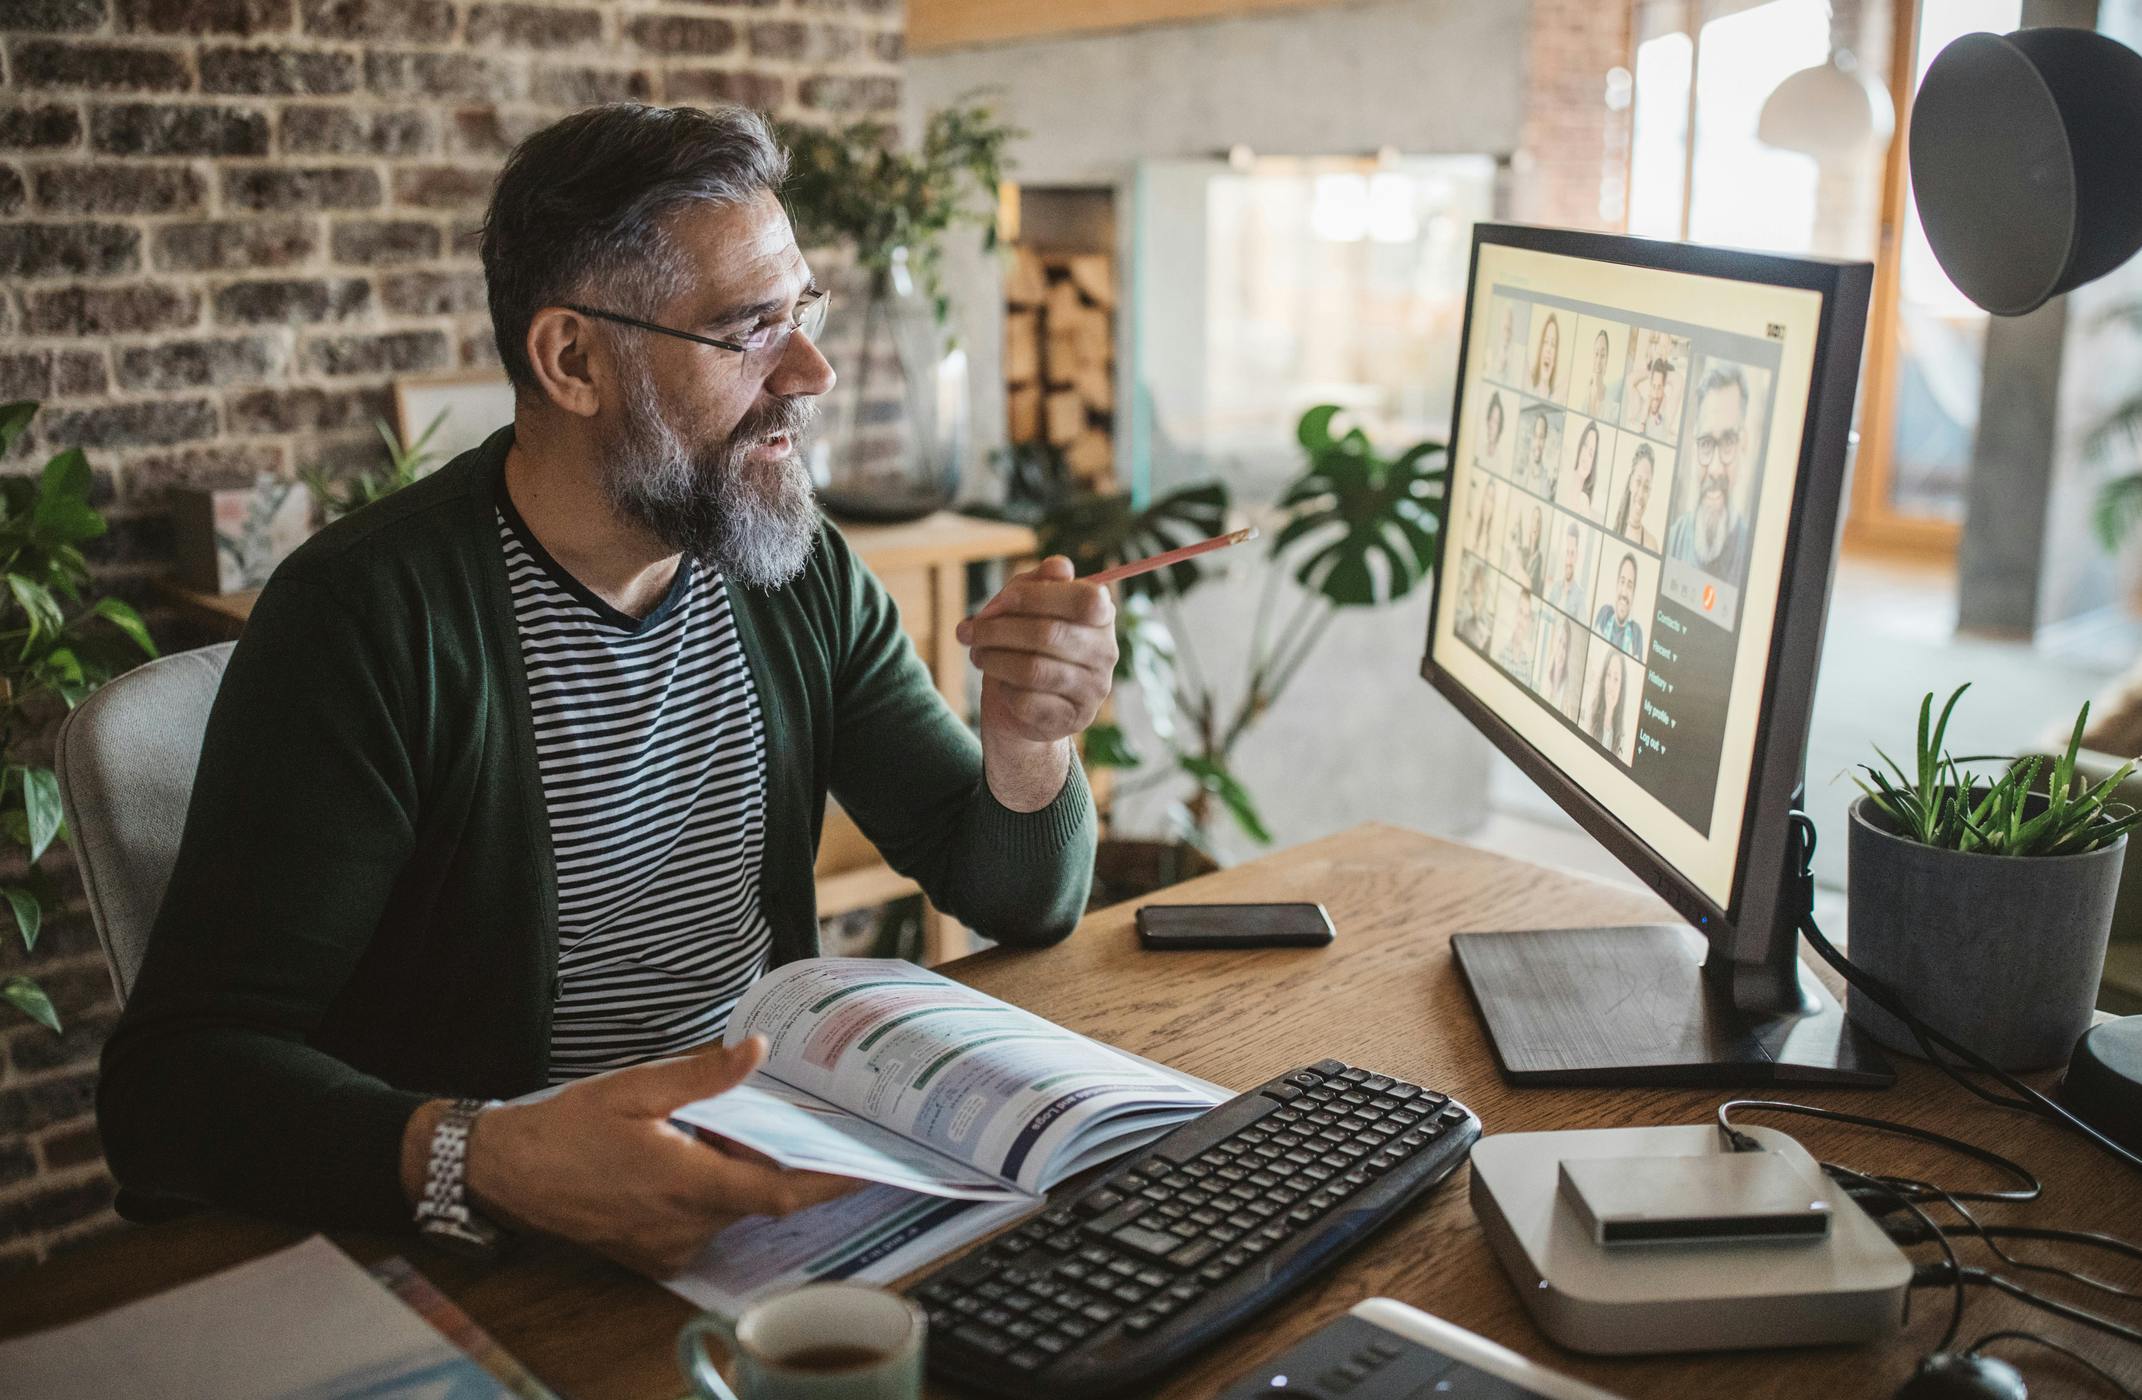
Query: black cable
x=1841, y=1172
x=2029, y=1190
x=2070, y=1353
x=1890, y=1000
x=1986, y=1236
x=2052, y=1305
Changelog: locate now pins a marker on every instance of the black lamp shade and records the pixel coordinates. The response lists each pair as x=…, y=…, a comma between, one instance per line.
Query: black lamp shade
x=2026, y=162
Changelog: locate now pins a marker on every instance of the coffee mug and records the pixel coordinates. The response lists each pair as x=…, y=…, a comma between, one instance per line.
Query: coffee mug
x=824, y=1341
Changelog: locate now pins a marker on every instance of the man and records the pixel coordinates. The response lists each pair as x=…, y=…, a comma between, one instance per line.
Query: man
x=1712, y=534
x=1651, y=419
x=1614, y=621
x=516, y=777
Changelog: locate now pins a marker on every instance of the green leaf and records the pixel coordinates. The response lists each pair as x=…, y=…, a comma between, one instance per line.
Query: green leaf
x=2118, y=507
x=14, y=418
x=120, y=614
x=41, y=800
x=1215, y=779
x=39, y=607
x=1105, y=747
x=31, y=1001
x=67, y=480
x=29, y=912
x=1100, y=531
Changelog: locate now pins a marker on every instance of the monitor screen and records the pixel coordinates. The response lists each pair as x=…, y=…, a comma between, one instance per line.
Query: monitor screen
x=1622, y=485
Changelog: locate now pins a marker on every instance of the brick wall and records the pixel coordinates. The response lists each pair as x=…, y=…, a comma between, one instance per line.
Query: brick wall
x=1572, y=163
x=225, y=227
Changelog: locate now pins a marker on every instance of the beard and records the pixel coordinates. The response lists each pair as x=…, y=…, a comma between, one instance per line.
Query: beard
x=756, y=522
x=1713, y=522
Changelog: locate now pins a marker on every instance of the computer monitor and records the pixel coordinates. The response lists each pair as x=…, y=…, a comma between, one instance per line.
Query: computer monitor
x=1633, y=569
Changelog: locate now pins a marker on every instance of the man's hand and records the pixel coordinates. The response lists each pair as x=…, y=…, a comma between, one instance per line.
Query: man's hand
x=1046, y=648
x=598, y=1162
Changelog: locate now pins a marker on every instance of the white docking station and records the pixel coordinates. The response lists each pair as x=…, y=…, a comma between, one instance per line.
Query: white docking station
x=1847, y=1284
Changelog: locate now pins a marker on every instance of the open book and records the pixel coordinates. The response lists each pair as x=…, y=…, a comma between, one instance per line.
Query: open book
x=883, y=1071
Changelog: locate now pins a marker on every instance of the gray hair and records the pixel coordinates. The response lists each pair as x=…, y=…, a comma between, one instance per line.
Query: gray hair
x=581, y=209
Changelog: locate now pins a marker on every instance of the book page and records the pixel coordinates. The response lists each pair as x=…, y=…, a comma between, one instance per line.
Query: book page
x=994, y=1086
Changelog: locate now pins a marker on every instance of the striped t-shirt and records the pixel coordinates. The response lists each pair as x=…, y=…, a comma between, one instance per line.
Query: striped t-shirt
x=653, y=756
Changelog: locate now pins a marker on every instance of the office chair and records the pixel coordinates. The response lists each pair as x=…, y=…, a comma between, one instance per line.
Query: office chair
x=126, y=758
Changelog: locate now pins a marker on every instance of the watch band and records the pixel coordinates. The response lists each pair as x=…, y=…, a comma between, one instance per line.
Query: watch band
x=444, y=1215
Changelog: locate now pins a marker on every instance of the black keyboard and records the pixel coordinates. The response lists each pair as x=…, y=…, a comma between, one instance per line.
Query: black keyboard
x=1191, y=1237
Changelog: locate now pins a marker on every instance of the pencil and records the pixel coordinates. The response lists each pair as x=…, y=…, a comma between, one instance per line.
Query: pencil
x=1172, y=556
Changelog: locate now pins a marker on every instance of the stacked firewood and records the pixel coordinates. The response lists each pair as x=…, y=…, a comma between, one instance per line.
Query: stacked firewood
x=1059, y=358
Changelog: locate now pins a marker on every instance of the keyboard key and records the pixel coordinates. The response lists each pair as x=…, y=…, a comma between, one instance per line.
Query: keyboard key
x=1329, y=1067
x=1023, y=1331
x=1026, y=1359
x=1051, y=1344
x=1140, y=1323
x=1098, y=1202
x=1282, y=1092
x=1377, y=1082
x=1307, y=1079
x=1354, y=1076
x=982, y=1340
x=1098, y=1313
x=1190, y=1255
x=1403, y=1091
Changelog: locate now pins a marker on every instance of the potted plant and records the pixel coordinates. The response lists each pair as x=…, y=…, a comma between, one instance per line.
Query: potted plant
x=897, y=421
x=1355, y=529
x=405, y=464
x=57, y=645
x=1986, y=901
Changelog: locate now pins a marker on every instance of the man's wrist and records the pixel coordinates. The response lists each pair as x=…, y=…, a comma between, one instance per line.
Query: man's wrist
x=1025, y=776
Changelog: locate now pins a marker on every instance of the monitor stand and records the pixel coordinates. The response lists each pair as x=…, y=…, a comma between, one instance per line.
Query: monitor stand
x=1634, y=1006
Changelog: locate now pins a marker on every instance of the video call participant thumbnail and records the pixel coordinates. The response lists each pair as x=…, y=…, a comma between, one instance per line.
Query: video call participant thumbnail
x=1711, y=532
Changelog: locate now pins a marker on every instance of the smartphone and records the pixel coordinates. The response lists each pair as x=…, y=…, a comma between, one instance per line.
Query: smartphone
x=1166, y=926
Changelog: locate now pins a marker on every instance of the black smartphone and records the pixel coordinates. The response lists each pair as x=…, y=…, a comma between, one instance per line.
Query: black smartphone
x=1165, y=926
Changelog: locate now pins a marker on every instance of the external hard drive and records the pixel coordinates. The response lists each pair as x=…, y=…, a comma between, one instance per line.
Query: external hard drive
x=1742, y=1196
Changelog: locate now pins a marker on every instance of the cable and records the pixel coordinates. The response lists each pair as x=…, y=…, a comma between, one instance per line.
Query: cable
x=2030, y=1189
x=1948, y=1250
x=2070, y=1353
x=1889, y=999
x=1987, y=1236
x=2052, y=1305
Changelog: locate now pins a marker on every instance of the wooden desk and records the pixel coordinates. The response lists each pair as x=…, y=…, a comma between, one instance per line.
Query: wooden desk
x=923, y=565
x=1384, y=995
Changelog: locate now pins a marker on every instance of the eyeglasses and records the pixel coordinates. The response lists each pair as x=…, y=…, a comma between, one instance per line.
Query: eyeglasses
x=763, y=341
x=1709, y=445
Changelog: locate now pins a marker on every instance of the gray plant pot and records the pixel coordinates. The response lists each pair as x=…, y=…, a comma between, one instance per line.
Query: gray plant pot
x=2001, y=953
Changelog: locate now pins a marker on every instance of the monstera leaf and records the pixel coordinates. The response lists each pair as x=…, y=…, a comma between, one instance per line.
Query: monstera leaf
x=1099, y=532
x=1352, y=509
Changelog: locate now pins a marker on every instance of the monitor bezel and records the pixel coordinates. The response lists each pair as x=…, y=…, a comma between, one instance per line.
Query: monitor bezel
x=1744, y=929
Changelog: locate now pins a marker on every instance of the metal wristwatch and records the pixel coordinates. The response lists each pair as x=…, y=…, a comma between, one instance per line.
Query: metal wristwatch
x=445, y=1216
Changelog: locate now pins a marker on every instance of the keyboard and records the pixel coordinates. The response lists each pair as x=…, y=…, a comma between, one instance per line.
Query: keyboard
x=1190, y=1238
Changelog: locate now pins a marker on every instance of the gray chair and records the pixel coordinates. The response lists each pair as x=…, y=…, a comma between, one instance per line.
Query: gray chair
x=126, y=759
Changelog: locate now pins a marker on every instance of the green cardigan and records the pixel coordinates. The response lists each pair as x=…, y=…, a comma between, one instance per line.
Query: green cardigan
x=363, y=913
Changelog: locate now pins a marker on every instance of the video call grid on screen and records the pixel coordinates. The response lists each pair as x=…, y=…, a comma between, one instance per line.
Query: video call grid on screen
x=1610, y=501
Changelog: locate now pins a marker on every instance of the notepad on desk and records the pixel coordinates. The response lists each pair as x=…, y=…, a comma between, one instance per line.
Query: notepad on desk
x=962, y=1111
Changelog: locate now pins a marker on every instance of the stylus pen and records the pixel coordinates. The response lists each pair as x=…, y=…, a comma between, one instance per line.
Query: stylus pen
x=1172, y=556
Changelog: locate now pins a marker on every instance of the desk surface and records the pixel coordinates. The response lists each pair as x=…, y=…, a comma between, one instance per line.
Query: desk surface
x=1385, y=995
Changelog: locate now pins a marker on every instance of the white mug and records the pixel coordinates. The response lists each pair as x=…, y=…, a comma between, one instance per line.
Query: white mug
x=823, y=1341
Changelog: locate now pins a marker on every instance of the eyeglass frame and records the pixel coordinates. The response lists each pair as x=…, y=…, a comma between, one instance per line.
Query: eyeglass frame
x=818, y=302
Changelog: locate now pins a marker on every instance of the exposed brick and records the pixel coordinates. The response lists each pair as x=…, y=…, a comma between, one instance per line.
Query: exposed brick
x=17, y=1162
x=165, y=129
x=55, y=15
x=891, y=48
x=302, y=409
x=45, y=1102
x=11, y=191
x=532, y=26
x=274, y=301
x=79, y=373
x=681, y=34
x=76, y=1145
x=130, y=309
x=486, y=131
x=450, y=75
x=315, y=187
x=443, y=186
x=79, y=1041
x=779, y=38
x=131, y=425
x=68, y=250
x=25, y=374
x=401, y=352
x=213, y=245
x=240, y=17
x=191, y=364
x=830, y=94
x=479, y=350
x=759, y=91
x=378, y=242
x=19, y=1258
x=55, y=1207
x=48, y=128
x=433, y=293
x=105, y=188
x=585, y=87
x=49, y=63
x=273, y=71
x=407, y=21
x=339, y=131
x=130, y=540
x=150, y=480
